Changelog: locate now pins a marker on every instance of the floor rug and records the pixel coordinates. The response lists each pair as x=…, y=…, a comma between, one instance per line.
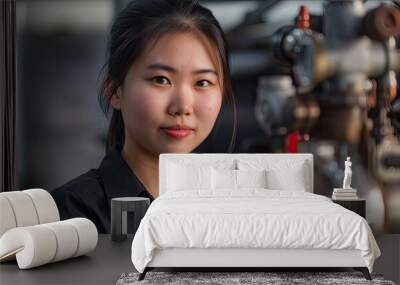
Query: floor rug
x=242, y=278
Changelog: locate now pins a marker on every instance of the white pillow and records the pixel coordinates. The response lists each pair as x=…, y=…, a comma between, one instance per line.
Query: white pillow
x=236, y=179
x=223, y=179
x=292, y=179
x=184, y=177
x=282, y=174
x=251, y=178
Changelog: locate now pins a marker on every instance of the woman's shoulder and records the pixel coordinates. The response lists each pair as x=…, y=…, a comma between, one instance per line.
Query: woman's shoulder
x=78, y=196
x=82, y=196
x=82, y=184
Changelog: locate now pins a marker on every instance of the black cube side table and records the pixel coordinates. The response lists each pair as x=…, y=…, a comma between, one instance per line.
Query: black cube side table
x=119, y=208
x=356, y=205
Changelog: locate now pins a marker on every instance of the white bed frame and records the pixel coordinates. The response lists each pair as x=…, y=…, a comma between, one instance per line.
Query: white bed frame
x=241, y=258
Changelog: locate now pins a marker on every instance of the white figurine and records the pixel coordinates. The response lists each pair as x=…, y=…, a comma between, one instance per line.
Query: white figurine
x=347, y=174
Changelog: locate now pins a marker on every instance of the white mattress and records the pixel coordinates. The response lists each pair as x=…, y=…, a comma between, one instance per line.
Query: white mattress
x=250, y=218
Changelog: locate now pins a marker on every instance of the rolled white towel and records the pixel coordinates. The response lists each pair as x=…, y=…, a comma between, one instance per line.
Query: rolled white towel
x=23, y=208
x=67, y=240
x=45, y=205
x=7, y=218
x=32, y=246
x=45, y=243
x=87, y=235
x=26, y=208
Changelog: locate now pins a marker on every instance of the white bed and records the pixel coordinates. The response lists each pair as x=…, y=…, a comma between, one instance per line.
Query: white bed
x=243, y=226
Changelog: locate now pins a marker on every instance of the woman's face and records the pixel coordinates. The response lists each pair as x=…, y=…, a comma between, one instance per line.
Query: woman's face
x=170, y=88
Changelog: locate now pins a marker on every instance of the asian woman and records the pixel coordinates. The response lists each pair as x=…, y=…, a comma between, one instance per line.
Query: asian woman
x=167, y=76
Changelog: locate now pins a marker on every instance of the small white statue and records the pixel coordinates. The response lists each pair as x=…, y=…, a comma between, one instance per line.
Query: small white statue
x=347, y=174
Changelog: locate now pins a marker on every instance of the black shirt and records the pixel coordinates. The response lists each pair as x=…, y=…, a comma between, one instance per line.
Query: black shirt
x=89, y=195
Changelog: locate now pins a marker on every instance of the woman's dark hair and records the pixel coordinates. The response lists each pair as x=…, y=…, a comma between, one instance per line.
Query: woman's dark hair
x=143, y=22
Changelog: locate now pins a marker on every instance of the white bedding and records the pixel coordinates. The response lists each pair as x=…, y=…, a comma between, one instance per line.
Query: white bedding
x=250, y=218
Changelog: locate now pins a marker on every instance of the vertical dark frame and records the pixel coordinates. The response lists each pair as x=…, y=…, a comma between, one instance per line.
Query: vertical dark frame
x=7, y=94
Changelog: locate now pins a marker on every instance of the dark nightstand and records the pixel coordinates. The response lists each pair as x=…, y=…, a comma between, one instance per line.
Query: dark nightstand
x=120, y=208
x=356, y=205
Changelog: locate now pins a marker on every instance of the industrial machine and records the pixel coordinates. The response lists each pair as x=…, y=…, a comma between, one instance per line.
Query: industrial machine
x=331, y=88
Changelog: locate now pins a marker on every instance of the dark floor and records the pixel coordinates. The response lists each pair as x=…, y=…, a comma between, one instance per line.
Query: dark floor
x=111, y=259
x=389, y=262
